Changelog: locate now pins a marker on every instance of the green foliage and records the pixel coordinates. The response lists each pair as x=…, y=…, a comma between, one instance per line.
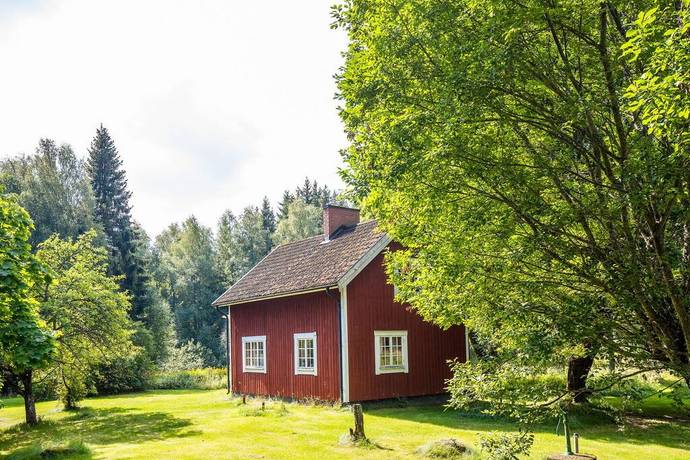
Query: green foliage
x=124, y=374
x=187, y=274
x=507, y=148
x=191, y=379
x=113, y=213
x=53, y=187
x=502, y=446
x=242, y=242
x=73, y=450
x=25, y=342
x=189, y=355
x=303, y=220
x=84, y=308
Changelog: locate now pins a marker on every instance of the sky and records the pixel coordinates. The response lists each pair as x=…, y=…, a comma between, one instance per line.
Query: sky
x=212, y=104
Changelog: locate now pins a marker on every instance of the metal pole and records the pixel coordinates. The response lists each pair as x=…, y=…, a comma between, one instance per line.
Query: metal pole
x=566, y=429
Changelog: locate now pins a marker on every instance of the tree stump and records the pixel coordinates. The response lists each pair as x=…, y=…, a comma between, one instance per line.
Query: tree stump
x=358, y=433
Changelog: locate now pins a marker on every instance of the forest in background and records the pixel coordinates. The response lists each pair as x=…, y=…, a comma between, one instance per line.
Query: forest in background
x=80, y=208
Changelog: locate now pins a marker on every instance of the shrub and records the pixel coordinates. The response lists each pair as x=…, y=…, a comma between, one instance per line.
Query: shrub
x=122, y=375
x=502, y=446
x=188, y=356
x=72, y=450
x=194, y=379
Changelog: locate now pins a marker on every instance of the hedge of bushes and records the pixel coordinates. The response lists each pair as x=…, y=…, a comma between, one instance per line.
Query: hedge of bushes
x=210, y=378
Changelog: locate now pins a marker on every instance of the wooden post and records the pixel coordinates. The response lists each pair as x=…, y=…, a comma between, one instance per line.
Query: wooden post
x=358, y=433
x=263, y=405
x=244, y=399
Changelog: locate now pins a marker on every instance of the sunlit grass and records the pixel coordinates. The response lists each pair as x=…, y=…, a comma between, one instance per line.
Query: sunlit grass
x=208, y=424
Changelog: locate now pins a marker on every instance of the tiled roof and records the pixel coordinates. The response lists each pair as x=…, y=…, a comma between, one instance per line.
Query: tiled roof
x=304, y=265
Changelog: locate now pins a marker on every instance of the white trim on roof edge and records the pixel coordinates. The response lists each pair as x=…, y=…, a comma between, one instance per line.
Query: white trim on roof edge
x=363, y=261
x=351, y=274
x=227, y=304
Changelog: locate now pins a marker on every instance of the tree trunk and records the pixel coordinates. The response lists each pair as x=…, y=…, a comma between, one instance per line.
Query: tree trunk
x=358, y=433
x=29, y=398
x=578, y=370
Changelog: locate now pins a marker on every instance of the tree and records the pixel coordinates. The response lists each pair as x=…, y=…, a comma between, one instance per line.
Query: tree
x=113, y=211
x=187, y=275
x=242, y=242
x=284, y=203
x=86, y=311
x=269, y=221
x=25, y=343
x=530, y=197
x=52, y=185
x=303, y=221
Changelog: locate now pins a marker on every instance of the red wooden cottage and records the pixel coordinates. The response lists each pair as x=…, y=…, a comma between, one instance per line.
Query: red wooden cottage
x=317, y=319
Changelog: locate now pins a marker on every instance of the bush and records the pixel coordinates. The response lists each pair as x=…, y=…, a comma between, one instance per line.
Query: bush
x=502, y=446
x=123, y=375
x=188, y=356
x=72, y=450
x=196, y=379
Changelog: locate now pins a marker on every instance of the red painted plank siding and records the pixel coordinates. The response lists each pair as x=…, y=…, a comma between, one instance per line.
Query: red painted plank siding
x=370, y=307
x=278, y=320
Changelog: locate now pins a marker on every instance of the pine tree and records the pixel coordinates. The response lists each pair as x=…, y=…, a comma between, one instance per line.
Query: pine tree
x=269, y=218
x=112, y=210
x=284, y=204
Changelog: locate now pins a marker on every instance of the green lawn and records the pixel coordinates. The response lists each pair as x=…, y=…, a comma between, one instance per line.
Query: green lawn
x=207, y=425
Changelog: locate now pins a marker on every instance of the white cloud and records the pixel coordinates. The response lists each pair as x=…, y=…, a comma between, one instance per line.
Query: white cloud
x=212, y=104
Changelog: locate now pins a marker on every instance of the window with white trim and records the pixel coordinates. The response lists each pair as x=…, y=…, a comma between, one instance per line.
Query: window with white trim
x=254, y=354
x=390, y=349
x=305, y=353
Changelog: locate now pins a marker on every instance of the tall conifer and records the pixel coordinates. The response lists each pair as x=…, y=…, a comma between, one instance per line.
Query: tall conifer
x=113, y=211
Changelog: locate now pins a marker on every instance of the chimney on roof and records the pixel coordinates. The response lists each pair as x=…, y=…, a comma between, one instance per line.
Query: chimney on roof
x=335, y=217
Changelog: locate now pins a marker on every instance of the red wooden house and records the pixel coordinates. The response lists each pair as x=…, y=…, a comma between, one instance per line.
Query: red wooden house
x=317, y=319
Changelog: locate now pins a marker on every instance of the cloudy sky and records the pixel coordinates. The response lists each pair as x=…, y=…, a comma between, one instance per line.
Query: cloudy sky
x=212, y=104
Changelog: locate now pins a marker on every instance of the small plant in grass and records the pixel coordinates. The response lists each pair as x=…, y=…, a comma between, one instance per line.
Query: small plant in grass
x=503, y=446
x=71, y=450
x=444, y=448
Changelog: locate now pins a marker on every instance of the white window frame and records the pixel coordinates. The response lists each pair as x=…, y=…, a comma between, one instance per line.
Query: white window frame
x=252, y=339
x=377, y=353
x=305, y=370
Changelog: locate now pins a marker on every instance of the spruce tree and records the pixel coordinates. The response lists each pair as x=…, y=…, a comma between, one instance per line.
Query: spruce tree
x=268, y=218
x=284, y=204
x=113, y=212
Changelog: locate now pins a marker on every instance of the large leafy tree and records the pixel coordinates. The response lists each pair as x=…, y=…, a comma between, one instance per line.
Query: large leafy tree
x=25, y=343
x=86, y=311
x=241, y=242
x=537, y=204
x=303, y=220
x=187, y=274
x=52, y=185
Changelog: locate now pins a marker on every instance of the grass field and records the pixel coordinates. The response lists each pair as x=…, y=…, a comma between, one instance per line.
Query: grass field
x=197, y=424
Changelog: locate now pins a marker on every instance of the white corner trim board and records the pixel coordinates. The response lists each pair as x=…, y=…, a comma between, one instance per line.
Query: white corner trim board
x=344, y=360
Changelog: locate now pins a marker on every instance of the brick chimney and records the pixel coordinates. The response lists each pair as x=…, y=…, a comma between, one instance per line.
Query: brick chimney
x=335, y=217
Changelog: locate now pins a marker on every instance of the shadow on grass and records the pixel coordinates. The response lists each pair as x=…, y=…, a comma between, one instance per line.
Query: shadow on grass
x=98, y=427
x=635, y=431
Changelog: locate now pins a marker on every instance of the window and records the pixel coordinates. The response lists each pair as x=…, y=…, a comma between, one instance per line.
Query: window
x=305, y=353
x=390, y=348
x=254, y=352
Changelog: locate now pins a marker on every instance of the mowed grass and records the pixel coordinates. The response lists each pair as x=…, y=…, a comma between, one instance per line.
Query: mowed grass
x=198, y=424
